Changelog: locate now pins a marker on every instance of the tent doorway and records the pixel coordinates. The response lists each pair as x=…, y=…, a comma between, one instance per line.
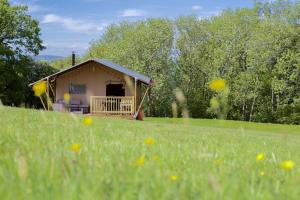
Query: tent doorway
x=116, y=90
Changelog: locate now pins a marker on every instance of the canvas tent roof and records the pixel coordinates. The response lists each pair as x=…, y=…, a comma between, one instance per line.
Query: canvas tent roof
x=145, y=79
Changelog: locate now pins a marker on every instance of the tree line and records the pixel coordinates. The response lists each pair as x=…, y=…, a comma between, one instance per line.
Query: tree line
x=255, y=50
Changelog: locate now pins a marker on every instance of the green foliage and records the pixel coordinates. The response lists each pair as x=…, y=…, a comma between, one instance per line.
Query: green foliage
x=219, y=104
x=19, y=33
x=16, y=76
x=19, y=37
x=255, y=50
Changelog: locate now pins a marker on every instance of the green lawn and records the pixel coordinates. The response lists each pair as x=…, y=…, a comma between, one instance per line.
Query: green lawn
x=211, y=159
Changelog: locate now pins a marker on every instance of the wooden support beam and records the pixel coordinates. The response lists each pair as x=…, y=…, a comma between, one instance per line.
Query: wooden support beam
x=43, y=103
x=136, y=114
x=135, y=93
x=52, y=90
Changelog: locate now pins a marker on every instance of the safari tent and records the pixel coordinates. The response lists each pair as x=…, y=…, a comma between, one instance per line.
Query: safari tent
x=97, y=86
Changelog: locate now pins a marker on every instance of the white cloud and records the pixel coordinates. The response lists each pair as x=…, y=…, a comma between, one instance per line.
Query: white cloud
x=32, y=6
x=132, y=13
x=73, y=24
x=196, y=7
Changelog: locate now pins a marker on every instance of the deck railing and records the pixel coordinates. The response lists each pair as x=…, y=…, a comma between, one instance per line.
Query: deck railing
x=112, y=105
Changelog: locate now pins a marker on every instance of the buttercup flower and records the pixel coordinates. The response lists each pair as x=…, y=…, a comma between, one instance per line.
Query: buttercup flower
x=287, y=165
x=260, y=156
x=140, y=161
x=87, y=121
x=67, y=98
x=218, y=162
x=75, y=147
x=173, y=178
x=149, y=141
x=262, y=173
x=39, y=88
x=217, y=84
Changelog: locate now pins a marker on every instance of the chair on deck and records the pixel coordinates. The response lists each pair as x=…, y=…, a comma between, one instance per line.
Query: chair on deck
x=75, y=106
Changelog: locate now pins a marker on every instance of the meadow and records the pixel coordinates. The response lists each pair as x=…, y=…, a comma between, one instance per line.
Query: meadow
x=47, y=155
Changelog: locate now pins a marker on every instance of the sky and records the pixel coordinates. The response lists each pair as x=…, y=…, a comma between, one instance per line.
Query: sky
x=70, y=25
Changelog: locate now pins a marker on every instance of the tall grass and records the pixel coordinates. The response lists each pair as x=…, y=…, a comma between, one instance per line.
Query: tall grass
x=211, y=159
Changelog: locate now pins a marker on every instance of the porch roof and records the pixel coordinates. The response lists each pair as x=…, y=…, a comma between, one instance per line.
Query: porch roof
x=145, y=79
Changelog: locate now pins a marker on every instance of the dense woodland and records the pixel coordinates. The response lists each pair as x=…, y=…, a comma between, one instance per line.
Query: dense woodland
x=256, y=50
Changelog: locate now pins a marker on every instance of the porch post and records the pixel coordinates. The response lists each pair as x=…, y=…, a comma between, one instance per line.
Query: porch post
x=91, y=105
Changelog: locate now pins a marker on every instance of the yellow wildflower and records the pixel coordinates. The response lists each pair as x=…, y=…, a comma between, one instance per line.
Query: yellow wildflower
x=140, y=161
x=217, y=84
x=39, y=88
x=75, y=147
x=262, y=173
x=149, y=141
x=173, y=178
x=154, y=157
x=218, y=162
x=67, y=98
x=287, y=165
x=260, y=156
x=87, y=121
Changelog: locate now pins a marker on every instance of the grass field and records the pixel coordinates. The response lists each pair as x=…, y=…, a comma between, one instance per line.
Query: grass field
x=189, y=159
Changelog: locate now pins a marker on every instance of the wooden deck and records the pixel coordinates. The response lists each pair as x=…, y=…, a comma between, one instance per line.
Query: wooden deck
x=112, y=105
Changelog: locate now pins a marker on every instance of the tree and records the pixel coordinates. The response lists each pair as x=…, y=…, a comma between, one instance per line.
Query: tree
x=19, y=37
x=144, y=46
x=19, y=33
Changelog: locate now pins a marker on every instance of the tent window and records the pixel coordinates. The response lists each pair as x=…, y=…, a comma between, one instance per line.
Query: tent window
x=77, y=88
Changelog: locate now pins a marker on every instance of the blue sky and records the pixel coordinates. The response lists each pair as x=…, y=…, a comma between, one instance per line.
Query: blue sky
x=69, y=25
